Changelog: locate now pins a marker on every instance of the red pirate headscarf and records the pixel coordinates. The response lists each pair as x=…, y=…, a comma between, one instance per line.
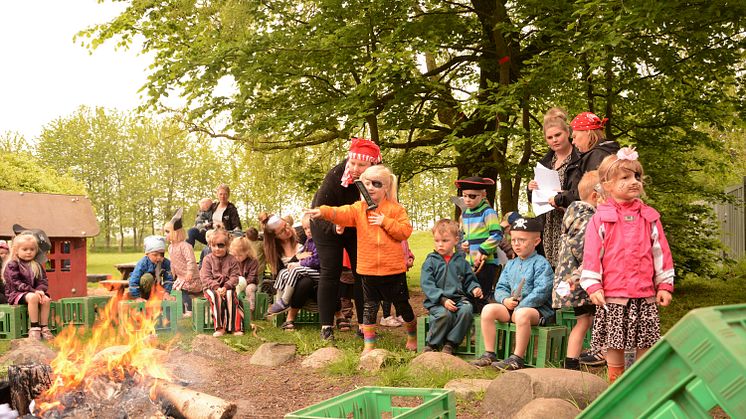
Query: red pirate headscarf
x=587, y=121
x=360, y=149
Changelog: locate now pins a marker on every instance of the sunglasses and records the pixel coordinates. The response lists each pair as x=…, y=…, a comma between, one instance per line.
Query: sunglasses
x=219, y=245
x=470, y=195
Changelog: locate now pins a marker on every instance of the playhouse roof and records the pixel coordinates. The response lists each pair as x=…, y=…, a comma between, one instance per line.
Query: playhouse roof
x=57, y=215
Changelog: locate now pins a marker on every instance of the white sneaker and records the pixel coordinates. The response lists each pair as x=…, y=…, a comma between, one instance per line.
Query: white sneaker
x=219, y=333
x=186, y=314
x=390, y=321
x=400, y=319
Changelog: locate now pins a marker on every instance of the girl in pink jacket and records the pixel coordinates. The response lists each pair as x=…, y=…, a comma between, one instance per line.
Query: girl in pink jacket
x=627, y=264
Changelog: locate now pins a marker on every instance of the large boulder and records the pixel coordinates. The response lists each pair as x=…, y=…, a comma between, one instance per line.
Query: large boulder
x=374, y=360
x=511, y=391
x=467, y=388
x=28, y=351
x=440, y=362
x=272, y=354
x=548, y=408
x=323, y=357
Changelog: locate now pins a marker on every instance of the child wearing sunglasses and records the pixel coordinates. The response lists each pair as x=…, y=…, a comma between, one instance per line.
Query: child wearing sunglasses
x=152, y=274
x=482, y=234
x=219, y=275
x=380, y=264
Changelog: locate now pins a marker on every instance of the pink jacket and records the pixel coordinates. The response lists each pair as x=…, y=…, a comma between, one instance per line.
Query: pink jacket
x=626, y=253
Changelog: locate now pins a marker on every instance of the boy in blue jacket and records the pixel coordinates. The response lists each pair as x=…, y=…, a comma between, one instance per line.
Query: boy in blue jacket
x=447, y=281
x=152, y=272
x=523, y=295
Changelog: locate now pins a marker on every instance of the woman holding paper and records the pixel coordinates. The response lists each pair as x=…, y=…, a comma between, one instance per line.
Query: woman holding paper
x=560, y=156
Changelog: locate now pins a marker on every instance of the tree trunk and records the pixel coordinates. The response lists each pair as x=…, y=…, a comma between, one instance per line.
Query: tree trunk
x=27, y=382
x=180, y=401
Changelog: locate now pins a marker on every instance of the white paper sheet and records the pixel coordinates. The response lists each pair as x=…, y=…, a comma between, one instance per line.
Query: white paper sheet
x=549, y=185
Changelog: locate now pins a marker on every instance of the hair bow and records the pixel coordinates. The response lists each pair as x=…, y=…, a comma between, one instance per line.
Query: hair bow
x=627, y=153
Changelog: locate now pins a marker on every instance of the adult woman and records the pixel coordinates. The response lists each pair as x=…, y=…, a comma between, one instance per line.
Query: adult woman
x=224, y=214
x=560, y=156
x=337, y=190
x=280, y=248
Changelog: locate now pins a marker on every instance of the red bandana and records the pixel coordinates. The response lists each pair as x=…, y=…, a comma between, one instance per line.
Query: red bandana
x=587, y=121
x=360, y=149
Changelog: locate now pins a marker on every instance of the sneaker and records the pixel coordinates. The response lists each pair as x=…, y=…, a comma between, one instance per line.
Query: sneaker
x=239, y=333
x=277, y=307
x=187, y=314
x=327, y=334
x=288, y=326
x=428, y=348
x=46, y=333
x=219, y=333
x=343, y=324
x=485, y=360
x=448, y=348
x=592, y=358
x=34, y=333
x=400, y=319
x=511, y=363
x=390, y=321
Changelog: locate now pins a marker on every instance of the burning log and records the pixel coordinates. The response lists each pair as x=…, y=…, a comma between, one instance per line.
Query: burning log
x=179, y=401
x=27, y=382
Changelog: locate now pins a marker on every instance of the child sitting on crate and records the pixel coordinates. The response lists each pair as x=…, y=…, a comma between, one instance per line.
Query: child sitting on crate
x=447, y=281
x=183, y=263
x=219, y=275
x=152, y=274
x=242, y=250
x=524, y=295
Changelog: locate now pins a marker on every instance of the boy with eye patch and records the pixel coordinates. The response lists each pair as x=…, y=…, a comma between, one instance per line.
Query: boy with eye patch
x=482, y=233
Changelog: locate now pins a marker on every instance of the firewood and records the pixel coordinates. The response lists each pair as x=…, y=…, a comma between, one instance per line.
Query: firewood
x=27, y=382
x=191, y=404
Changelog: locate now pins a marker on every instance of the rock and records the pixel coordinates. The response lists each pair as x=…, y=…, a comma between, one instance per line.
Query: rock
x=272, y=354
x=511, y=391
x=323, y=357
x=548, y=408
x=439, y=361
x=467, y=388
x=374, y=360
x=28, y=351
x=211, y=347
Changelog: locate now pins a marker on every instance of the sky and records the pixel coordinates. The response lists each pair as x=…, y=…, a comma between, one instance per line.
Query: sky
x=45, y=76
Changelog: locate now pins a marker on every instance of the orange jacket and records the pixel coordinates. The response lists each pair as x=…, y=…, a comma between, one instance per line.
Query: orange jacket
x=379, y=250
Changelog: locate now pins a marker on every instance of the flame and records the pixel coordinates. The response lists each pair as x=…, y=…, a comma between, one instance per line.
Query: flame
x=123, y=346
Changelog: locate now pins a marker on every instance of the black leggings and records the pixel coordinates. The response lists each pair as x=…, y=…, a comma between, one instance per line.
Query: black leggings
x=386, y=288
x=305, y=289
x=330, y=246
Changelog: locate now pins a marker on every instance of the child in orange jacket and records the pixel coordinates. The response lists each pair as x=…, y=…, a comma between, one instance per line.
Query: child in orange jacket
x=380, y=233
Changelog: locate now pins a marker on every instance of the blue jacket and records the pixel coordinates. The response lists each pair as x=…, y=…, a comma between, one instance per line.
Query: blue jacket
x=144, y=266
x=537, y=288
x=454, y=280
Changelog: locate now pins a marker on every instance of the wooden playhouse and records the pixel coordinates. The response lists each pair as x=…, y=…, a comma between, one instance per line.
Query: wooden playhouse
x=68, y=220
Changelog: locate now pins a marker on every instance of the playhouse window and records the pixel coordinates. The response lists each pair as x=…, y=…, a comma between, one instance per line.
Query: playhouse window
x=49, y=267
x=51, y=250
x=65, y=265
x=65, y=247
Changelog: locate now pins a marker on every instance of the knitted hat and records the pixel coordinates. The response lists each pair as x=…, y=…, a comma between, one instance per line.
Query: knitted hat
x=4, y=245
x=474, y=183
x=176, y=219
x=360, y=149
x=587, y=121
x=155, y=244
x=527, y=224
x=41, y=240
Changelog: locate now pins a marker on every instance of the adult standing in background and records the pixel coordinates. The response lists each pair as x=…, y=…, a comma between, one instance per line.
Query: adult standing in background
x=224, y=214
x=560, y=156
x=337, y=189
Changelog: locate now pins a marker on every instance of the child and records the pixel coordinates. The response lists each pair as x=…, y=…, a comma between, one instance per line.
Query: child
x=203, y=221
x=447, y=280
x=307, y=264
x=183, y=262
x=567, y=289
x=219, y=275
x=387, y=319
x=524, y=295
x=26, y=283
x=242, y=250
x=482, y=233
x=4, y=258
x=627, y=264
x=152, y=273
x=257, y=244
x=379, y=260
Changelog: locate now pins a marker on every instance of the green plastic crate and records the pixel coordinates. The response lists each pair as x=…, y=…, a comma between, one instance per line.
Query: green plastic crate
x=14, y=322
x=698, y=365
x=566, y=317
x=74, y=310
x=467, y=348
x=95, y=306
x=166, y=319
x=261, y=305
x=546, y=347
x=202, y=319
x=304, y=316
x=380, y=402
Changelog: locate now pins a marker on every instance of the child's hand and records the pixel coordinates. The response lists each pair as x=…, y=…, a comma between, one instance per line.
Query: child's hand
x=663, y=298
x=510, y=303
x=450, y=305
x=303, y=255
x=479, y=259
x=477, y=292
x=168, y=297
x=139, y=300
x=465, y=246
x=339, y=229
x=375, y=218
x=221, y=291
x=313, y=212
x=598, y=299
x=293, y=265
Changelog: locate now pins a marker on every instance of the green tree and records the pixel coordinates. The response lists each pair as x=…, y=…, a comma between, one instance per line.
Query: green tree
x=23, y=172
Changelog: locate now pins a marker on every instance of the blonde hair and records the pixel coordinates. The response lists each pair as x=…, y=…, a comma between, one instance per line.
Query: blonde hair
x=36, y=268
x=446, y=226
x=382, y=173
x=175, y=235
x=224, y=187
x=612, y=166
x=595, y=136
x=587, y=184
x=242, y=245
x=219, y=231
x=556, y=117
x=204, y=201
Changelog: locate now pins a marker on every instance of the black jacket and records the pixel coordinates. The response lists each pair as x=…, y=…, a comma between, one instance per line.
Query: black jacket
x=231, y=220
x=590, y=160
x=332, y=193
x=546, y=161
